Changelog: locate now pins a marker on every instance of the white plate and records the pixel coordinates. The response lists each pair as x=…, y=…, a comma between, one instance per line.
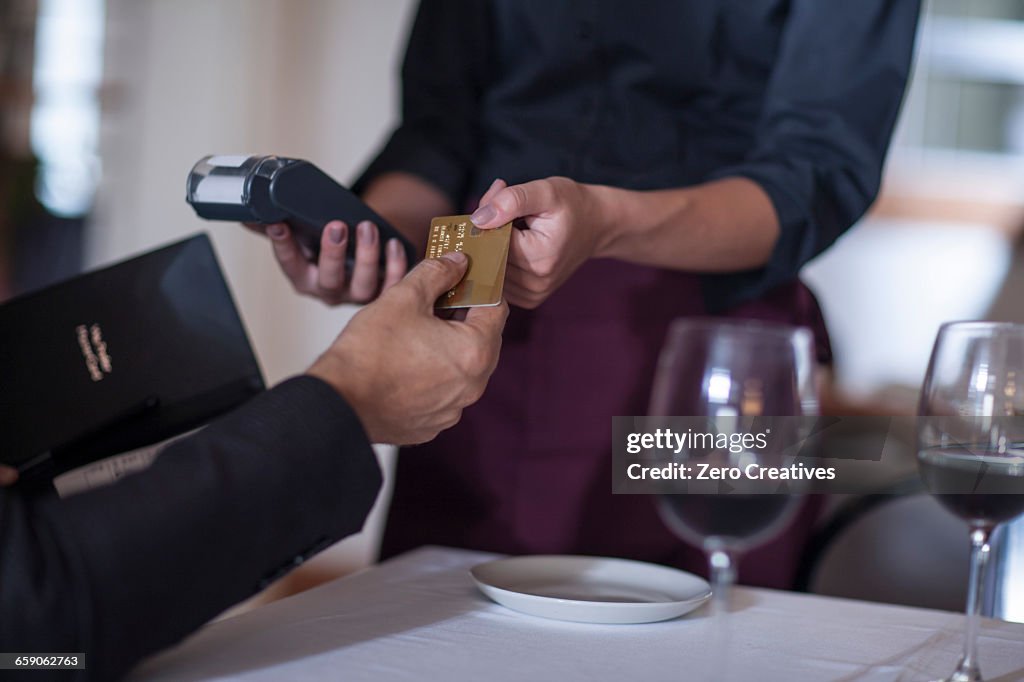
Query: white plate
x=591, y=589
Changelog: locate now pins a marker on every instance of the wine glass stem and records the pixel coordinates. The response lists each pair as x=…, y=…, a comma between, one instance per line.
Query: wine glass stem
x=722, y=565
x=968, y=669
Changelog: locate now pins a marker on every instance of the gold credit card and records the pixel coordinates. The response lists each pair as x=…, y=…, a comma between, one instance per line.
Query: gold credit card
x=487, y=251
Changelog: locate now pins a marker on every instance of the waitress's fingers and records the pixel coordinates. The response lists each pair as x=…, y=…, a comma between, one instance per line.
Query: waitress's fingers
x=527, y=278
x=520, y=296
x=396, y=266
x=365, y=272
x=296, y=268
x=495, y=187
x=331, y=266
x=526, y=247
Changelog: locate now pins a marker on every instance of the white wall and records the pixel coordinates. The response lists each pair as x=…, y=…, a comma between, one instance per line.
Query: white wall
x=309, y=78
x=887, y=285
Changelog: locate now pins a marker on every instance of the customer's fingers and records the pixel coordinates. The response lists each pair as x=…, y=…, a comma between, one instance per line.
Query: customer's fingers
x=432, y=277
x=488, y=320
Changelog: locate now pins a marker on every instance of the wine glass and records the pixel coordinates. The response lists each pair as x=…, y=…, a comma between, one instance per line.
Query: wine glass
x=971, y=444
x=731, y=371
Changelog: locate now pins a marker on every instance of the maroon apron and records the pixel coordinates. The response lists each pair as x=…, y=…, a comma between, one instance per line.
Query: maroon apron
x=528, y=470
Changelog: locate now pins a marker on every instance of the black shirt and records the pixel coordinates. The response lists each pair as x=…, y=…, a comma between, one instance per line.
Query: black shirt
x=800, y=96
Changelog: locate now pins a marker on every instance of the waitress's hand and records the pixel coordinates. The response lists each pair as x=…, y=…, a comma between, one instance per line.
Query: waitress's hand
x=328, y=279
x=564, y=229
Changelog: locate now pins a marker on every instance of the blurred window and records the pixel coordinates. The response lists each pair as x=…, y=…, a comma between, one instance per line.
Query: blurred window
x=966, y=99
x=65, y=122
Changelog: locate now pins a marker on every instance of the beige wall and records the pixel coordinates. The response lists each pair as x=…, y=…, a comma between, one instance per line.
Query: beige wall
x=307, y=78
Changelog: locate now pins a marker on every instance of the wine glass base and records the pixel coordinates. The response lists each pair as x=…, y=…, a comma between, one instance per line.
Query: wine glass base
x=964, y=673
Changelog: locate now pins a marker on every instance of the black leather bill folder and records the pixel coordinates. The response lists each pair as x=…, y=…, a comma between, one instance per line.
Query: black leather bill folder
x=120, y=358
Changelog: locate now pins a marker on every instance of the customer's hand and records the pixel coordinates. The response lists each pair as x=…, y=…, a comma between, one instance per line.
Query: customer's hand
x=407, y=373
x=328, y=279
x=563, y=222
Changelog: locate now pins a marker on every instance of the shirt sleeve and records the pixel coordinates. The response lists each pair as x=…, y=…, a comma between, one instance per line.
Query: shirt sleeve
x=828, y=115
x=443, y=77
x=122, y=571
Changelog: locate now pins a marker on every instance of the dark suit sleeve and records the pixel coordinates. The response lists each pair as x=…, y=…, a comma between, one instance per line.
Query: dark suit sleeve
x=823, y=132
x=123, y=571
x=443, y=78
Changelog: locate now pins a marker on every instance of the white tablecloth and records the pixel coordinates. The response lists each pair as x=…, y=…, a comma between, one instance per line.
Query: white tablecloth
x=419, y=617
